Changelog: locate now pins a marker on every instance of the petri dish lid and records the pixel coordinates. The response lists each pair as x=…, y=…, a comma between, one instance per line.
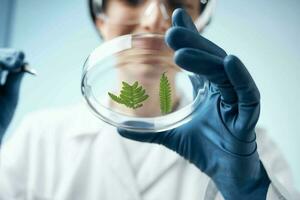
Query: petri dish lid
x=132, y=83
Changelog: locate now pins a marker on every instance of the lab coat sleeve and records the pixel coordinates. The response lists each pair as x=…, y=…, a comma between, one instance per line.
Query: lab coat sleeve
x=279, y=172
x=14, y=159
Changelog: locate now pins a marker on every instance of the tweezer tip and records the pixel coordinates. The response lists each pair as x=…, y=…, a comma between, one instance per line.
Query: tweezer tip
x=30, y=70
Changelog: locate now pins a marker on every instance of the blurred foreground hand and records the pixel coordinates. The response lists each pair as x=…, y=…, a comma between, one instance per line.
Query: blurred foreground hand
x=11, y=63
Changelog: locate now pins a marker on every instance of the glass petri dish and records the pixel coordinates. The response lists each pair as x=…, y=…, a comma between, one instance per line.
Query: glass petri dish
x=132, y=82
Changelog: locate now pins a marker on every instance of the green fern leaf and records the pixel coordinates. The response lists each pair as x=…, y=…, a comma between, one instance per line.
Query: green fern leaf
x=115, y=98
x=165, y=95
x=126, y=84
x=140, y=99
x=131, y=96
x=134, y=86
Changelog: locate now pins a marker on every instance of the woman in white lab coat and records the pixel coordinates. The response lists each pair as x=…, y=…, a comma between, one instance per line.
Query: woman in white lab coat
x=66, y=153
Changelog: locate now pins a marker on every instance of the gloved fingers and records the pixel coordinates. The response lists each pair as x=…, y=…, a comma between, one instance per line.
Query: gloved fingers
x=164, y=137
x=141, y=137
x=181, y=18
x=170, y=139
x=209, y=66
x=248, y=97
x=11, y=59
x=241, y=80
x=138, y=136
x=182, y=37
x=12, y=84
x=201, y=63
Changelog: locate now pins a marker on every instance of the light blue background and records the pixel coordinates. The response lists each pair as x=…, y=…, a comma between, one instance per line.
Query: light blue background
x=57, y=36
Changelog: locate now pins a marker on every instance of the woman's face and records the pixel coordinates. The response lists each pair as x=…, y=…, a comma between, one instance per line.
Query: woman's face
x=141, y=16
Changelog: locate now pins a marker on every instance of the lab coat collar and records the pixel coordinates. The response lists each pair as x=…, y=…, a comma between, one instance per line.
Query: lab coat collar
x=115, y=156
x=156, y=163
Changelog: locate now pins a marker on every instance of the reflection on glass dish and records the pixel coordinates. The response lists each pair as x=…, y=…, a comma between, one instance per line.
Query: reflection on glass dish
x=131, y=82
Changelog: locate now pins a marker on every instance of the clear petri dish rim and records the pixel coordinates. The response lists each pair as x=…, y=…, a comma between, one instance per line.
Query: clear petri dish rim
x=173, y=119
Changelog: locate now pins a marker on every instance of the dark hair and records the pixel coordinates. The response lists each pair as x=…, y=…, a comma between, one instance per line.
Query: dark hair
x=93, y=9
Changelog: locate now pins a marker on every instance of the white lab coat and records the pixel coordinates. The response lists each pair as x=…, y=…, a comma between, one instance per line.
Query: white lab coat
x=68, y=154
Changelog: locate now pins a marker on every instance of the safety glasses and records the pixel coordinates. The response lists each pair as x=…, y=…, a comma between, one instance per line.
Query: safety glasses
x=132, y=12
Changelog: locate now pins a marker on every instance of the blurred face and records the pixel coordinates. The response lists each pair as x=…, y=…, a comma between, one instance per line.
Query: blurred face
x=141, y=16
x=150, y=57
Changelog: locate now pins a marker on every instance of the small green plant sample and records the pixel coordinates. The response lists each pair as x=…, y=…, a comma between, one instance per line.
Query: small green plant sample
x=165, y=95
x=131, y=96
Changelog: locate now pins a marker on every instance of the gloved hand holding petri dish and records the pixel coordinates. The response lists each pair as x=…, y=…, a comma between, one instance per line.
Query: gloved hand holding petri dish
x=132, y=82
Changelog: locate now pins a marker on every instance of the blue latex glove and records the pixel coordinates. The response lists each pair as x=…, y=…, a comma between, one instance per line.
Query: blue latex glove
x=220, y=139
x=11, y=61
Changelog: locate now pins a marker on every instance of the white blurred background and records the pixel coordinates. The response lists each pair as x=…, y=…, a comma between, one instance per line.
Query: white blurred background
x=57, y=36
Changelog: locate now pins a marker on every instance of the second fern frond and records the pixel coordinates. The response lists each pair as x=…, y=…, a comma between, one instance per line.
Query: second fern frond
x=165, y=95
